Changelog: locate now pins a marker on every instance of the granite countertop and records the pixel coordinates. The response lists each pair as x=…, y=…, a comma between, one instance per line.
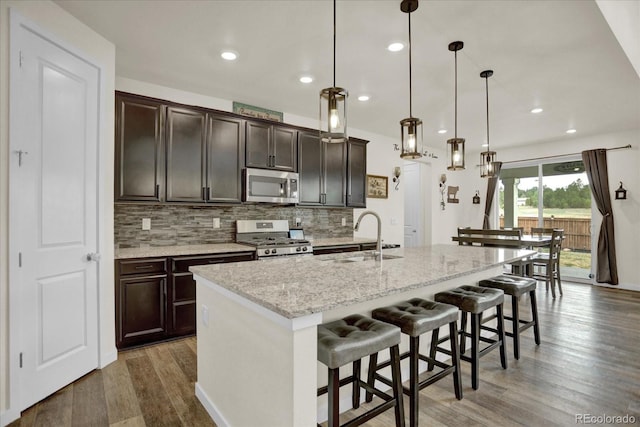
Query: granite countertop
x=338, y=241
x=303, y=285
x=159, y=251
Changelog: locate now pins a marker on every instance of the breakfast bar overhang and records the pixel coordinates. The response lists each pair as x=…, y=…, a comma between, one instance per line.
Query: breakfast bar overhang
x=256, y=322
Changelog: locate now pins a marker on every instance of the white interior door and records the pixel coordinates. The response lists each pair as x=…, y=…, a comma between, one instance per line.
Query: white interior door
x=413, y=203
x=53, y=186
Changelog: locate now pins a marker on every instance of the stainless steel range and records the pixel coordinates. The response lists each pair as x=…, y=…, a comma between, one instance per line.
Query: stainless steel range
x=271, y=238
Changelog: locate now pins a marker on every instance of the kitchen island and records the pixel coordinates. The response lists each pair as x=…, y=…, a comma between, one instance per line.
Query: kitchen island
x=257, y=321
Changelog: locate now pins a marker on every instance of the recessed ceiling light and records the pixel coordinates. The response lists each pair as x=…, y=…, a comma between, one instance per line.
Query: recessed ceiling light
x=363, y=98
x=442, y=131
x=229, y=55
x=537, y=110
x=395, y=47
x=306, y=79
x=571, y=131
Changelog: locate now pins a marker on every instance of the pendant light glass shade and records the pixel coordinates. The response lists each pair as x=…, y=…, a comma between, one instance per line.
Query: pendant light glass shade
x=411, y=138
x=411, y=127
x=333, y=114
x=333, y=104
x=487, y=158
x=455, y=151
x=455, y=145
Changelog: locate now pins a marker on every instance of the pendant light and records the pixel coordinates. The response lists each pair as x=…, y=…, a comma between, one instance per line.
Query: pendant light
x=455, y=145
x=411, y=127
x=333, y=104
x=487, y=158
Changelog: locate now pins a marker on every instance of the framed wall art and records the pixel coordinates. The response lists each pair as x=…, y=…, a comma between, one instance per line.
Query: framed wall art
x=377, y=186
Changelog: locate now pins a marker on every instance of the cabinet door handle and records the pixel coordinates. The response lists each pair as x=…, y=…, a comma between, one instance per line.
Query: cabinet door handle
x=204, y=193
x=208, y=195
x=215, y=261
x=143, y=267
x=157, y=192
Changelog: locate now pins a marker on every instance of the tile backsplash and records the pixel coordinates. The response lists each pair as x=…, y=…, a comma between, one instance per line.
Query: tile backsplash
x=193, y=225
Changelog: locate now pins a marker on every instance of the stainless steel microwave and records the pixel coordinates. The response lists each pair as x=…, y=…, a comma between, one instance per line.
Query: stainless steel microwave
x=269, y=186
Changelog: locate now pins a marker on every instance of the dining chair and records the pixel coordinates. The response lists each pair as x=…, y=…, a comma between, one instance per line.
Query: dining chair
x=546, y=266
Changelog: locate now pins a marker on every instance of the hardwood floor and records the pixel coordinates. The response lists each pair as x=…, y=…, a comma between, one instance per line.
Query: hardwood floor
x=150, y=386
x=587, y=363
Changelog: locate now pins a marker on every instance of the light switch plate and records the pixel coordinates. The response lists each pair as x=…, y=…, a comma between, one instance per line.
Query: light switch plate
x=344, y=221
x=146, y=223
x=216, y=222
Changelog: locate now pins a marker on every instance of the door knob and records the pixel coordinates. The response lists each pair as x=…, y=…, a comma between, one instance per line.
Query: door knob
x=92, y=256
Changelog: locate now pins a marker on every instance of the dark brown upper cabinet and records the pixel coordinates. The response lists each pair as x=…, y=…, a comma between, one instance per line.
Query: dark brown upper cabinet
x=271, y=146
x=139, y=145
x=357, y=173
x=204, y=156
x=225, y=159
x=322, y=171
x=186, y=154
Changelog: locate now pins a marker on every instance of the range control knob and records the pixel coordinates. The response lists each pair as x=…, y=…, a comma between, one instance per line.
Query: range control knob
x=273, y=251
x=267, y=251
x=304, y=249
x=298, y=249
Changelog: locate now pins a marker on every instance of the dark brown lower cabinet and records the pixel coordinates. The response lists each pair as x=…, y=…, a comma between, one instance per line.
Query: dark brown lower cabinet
x=156, y=297
x=140, y=301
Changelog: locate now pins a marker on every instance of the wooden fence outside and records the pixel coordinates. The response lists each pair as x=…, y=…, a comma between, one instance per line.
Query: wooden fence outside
x=577, y=231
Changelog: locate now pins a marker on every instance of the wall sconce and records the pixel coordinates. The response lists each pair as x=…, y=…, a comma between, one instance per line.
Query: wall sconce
x=443, y=189
x=476, y=198
x=621, y=193
x=396, y=176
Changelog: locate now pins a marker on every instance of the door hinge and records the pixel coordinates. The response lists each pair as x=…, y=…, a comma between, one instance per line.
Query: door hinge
x=21, y=359
x=21, y=57
x=19, y=259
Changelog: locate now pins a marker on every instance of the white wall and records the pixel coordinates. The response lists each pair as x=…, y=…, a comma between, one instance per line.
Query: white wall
x=623, y=165
x=69, y=30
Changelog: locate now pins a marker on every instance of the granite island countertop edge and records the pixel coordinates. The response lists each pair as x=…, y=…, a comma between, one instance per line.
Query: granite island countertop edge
x=272, y=267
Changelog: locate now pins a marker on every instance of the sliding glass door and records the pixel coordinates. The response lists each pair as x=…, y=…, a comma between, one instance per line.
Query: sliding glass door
x=553, y=194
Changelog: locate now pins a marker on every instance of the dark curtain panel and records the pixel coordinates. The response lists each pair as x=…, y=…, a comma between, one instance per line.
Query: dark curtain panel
x=595, y=164
x=491, y=191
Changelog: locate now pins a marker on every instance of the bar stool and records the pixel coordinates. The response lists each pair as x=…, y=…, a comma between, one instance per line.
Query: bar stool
x=517, y=286
x=416, y=317
x=476, y=300
x=348, y=340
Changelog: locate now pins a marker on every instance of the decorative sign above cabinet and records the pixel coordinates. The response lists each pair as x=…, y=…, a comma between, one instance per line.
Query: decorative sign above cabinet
x=257, y=112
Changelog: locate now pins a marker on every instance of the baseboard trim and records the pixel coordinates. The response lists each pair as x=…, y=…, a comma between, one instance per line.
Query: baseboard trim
x=8, y=416
x=625, y=286
x=211, y=408
x=108, y=358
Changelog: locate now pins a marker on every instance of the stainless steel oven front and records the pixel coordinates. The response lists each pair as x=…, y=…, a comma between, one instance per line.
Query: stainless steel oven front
x=268, y=186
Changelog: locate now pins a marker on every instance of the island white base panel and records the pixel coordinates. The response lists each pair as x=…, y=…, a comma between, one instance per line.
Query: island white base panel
x=254, y=370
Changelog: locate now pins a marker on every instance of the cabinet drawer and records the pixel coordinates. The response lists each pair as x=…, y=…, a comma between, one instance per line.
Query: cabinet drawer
x=183, y=287
x=182, y=264
x=143, y=266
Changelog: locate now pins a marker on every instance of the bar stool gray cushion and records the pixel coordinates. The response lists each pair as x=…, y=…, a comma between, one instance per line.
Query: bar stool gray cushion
x=472, y=299
x=417, y=316
x=352, y=338
x=511, y=285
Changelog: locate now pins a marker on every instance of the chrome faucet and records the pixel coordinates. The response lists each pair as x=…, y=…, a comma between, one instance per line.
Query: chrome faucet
x=378, y=252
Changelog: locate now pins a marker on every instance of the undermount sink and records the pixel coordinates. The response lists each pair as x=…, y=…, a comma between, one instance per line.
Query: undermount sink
x=366, y=258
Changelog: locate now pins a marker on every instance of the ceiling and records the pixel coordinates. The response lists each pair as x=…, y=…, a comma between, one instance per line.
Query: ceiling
x=558, y=55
